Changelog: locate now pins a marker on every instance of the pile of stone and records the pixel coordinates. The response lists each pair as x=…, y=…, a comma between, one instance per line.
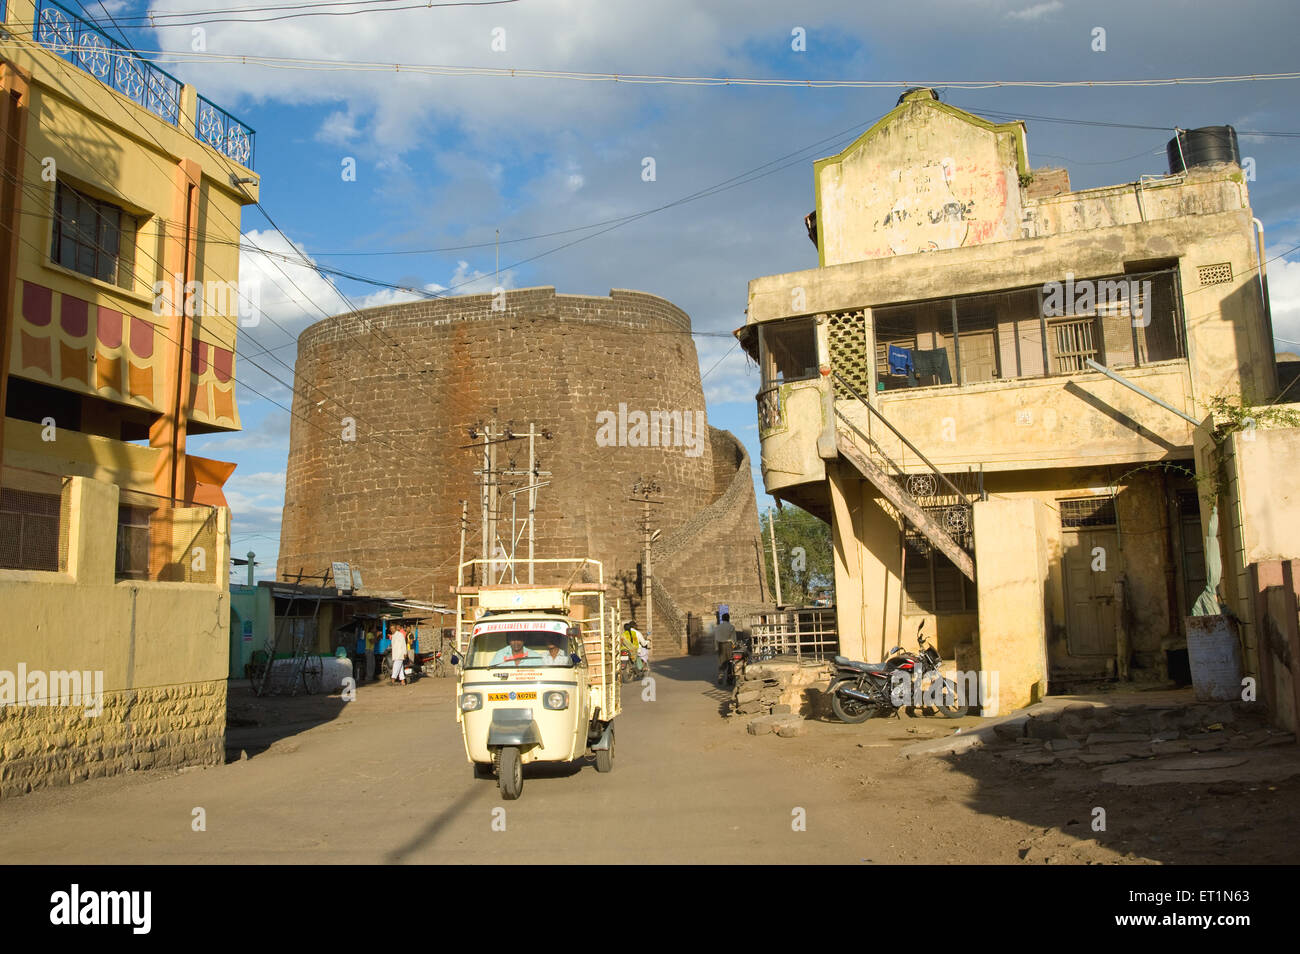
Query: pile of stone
x=758, y=692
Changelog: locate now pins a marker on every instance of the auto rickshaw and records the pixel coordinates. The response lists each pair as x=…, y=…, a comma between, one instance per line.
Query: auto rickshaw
x=537, y=678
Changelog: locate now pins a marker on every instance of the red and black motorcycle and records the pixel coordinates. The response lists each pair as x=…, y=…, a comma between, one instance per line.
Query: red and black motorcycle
x=859, y=690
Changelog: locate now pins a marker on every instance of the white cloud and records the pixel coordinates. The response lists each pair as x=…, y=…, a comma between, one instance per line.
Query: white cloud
x=1037, y=11
x=1284, y=297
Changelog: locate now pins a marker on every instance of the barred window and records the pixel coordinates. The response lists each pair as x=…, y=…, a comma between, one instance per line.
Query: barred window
x=92, y=237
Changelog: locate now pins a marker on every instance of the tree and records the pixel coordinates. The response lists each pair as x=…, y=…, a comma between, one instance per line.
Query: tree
x=803, y=549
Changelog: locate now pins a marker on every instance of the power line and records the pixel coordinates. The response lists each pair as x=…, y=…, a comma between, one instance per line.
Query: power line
x=310, y=64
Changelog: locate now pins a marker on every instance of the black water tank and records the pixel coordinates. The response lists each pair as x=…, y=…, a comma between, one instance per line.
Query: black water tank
x=1200, y=147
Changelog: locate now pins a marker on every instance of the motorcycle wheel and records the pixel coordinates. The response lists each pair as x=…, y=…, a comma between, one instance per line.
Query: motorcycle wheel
x=851, y=711
x=948, y=699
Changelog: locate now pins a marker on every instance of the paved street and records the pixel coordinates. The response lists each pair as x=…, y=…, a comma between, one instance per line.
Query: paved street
x=384, y=779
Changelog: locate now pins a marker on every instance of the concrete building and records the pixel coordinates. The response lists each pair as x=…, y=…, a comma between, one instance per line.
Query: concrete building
x=611, y=386
x=929, y=389
x=122, y=188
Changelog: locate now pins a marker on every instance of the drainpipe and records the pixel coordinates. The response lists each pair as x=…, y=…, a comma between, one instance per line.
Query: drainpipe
x=1146, y=394
x=1263, y=285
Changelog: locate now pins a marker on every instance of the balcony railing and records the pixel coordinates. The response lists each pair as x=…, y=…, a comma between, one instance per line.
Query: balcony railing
x=89, y=48
x=224, y=133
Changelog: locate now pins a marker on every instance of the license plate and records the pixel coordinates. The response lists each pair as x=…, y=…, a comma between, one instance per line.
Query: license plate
x=510, y=696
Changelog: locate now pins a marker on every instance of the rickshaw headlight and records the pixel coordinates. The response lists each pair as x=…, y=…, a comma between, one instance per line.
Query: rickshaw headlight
x=555, y=700
x=470, y=701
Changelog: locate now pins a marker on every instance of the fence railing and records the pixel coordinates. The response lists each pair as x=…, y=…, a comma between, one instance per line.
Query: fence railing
x=224, y=133
x=89, y=48
x=805, y=632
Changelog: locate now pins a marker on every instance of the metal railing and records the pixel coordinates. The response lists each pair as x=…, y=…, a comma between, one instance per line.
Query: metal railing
x=939, y=476
x=89, y=48
x=224, y=133
x=804, y=632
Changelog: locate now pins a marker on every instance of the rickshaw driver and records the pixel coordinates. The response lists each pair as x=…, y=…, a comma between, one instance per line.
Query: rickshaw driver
x=515, y=653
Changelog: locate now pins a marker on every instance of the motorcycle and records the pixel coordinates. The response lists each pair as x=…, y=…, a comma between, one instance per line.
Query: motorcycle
x=734, y=665
x=859, y=690
x=627, y=671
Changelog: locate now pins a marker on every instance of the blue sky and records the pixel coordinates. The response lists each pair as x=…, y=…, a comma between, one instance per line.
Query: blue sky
x=447, y=160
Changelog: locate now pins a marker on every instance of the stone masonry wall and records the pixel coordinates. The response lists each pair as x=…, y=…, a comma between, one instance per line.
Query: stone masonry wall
x=716, y=555
x=142, y=729
x=414, y=377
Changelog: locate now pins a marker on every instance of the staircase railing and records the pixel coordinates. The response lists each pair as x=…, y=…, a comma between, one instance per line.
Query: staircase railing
x=939, y=475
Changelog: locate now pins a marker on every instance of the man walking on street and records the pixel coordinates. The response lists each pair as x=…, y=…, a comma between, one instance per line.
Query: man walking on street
x=724, y=638
x=399, y=655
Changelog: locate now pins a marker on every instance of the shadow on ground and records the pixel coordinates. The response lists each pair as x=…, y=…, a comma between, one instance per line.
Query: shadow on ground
x=255, y=723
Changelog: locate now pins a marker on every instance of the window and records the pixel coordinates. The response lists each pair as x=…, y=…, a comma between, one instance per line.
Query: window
x=92, y=237
x=791, y=348
x=932, y=583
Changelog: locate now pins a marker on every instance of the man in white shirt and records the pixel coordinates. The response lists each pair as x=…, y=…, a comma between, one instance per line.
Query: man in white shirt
x=398, y=649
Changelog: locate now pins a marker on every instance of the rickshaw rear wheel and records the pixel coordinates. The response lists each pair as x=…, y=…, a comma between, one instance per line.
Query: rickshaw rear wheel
x=510, y=776
x=605, y=757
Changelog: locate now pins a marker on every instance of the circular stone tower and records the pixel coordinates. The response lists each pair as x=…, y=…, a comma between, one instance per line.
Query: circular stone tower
x=381, y=454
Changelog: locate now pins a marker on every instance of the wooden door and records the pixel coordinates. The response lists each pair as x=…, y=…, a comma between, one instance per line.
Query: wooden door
x=1091, y=563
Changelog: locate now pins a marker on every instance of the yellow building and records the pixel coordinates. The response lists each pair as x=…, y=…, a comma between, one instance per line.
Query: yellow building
x=932, y=390
x=119, y=257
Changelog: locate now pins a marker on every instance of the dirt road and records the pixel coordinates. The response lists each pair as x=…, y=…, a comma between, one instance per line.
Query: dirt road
x=384, y=779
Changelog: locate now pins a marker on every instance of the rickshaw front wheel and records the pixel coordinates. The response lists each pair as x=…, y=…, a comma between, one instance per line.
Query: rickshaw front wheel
x=510, y=774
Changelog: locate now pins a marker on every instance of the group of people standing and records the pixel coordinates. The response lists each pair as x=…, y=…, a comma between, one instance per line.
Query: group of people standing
x=372, y=642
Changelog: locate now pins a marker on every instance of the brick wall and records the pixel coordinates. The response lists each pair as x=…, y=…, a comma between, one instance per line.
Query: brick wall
x=415, y=376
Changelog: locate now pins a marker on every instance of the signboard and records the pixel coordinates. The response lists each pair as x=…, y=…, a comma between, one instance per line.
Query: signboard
x=248, y=631
x=356, y=578
x=523, y=625
x=342, y=577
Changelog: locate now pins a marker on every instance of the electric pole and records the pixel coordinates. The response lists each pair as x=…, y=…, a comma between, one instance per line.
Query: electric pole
x=646, y=488
x=776, y=567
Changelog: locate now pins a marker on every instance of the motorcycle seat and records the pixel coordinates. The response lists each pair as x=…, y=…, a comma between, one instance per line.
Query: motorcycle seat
x=844, y=662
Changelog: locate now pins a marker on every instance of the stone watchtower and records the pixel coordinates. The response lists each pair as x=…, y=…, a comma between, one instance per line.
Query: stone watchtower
x=378, y=476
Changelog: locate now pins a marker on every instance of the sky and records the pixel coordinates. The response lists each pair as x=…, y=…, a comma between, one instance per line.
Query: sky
x=444, y=161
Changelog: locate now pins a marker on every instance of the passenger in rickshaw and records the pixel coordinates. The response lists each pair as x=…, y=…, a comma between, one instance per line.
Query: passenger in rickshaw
x=554, y=655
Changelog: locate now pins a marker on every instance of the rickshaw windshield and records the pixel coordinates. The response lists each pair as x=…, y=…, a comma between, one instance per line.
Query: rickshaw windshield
x=523, y=648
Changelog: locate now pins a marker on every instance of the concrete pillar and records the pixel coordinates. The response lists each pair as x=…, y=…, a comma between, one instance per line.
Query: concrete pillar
x=882, y=576
x=91, y=508
x=850, y=600
x=1011, y=580
x=868, y=567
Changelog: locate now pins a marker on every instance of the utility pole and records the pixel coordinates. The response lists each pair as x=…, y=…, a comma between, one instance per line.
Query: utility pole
x=464, y=525
x=490, y=484
x=776, y=567
x=646, y=488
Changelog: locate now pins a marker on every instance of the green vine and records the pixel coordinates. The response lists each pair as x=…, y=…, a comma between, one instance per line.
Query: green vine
x=1231, y=417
